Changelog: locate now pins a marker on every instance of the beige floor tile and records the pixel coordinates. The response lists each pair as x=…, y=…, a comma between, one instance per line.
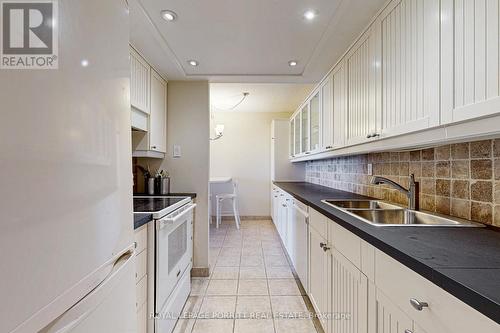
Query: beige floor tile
x=252, y=243
x=213, y=326
x=228, y=260
x=198, y=287
x=252, y=287
x=225, y=273
x=253, y=307
x=222, y=287
x=218, y=307
x=294, y=326
x=285, y=305
x=275, y=260
x=232, y=243
x=283, y=287
x=252, y=273
x=253, y=326
x=273, y=251
x=266, y=245
x=252, y=261
x=230, y=251
x=251, y=251
x=279, y=272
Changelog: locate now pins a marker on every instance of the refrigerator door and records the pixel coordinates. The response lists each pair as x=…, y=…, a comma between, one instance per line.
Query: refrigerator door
x=66, y=168
x=107, y=308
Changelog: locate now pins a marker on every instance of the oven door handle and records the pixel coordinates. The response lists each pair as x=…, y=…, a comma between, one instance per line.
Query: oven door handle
x=171, y=220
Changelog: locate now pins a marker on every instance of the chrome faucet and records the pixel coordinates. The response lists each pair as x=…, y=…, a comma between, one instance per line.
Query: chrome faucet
x=411, y=193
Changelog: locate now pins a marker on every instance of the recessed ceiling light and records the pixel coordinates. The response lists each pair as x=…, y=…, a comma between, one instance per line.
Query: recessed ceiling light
x=310, y=15
x=168, y=15
x=292, y=63
x=193, y=63
x=84, y=63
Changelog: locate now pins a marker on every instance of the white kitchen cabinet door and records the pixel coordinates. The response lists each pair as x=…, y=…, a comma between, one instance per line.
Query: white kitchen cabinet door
x=318, y=274
x=139, y=82
x=470, y=59
x=410, y=66
x=364, y=92
x=340, y=104
x=315, y=122
x=158, y=116
x=291, y=148
x=390, y=319
x=304, y=129
x=327, y=113
x=297, y=139
x=299, y=253
x=348, y=295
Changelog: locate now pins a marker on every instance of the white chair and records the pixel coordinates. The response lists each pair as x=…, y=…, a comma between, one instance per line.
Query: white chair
x=228, y=196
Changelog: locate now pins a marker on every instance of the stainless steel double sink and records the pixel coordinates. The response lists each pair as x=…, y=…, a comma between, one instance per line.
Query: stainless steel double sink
x=384, y=214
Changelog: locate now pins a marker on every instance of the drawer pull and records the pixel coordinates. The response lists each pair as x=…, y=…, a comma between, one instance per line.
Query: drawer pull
x=408, y=331
x=419, y=306
x=326, y=248
x=322, y=245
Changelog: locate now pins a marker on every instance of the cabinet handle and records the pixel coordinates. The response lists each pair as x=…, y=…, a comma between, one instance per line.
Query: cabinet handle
x=326, y=248
x=284, y=205
x=369, y=136
x=153, y=147
x=328, y=147
x=419, y=306
x=322, y=245
x=408, y=331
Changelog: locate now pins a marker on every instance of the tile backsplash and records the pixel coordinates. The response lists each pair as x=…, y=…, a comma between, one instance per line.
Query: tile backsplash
x=461, y=180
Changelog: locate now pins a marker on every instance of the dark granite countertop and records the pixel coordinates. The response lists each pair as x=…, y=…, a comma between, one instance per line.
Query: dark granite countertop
x=141, y=219
x=463, y=261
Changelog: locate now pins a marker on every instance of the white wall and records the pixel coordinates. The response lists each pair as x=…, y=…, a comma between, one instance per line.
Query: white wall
x=244, y=153
x=188, y=118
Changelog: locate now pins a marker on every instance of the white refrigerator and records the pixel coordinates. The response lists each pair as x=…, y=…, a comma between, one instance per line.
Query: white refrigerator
x=66, y=223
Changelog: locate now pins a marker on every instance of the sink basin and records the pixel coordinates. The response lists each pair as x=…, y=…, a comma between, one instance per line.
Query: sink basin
x=361, y=204
x=403, y=217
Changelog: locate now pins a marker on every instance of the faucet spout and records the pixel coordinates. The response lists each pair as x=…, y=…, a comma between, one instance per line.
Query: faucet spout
x=411, y=193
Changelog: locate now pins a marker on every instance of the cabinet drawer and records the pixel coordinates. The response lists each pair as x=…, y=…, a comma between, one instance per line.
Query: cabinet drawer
x=141, y=292
x=140, y=265
x=142, y=319
x=319, y=222
x=346, y=243
x=141, y=239
x=445, y=313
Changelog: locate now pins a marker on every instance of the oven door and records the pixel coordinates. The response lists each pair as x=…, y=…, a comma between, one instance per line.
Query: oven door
x=173, y=251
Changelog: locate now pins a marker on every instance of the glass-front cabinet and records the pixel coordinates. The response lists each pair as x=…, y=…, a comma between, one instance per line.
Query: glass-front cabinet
x=315, y=116
x=291, y=151
x=304, y=116
x=296, y=129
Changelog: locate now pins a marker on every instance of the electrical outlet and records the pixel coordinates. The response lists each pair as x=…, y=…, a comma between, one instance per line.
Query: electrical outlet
x=177, y=151
x=370, y=169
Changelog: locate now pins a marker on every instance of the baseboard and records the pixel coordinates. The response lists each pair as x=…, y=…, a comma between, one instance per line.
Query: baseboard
x=200, y=272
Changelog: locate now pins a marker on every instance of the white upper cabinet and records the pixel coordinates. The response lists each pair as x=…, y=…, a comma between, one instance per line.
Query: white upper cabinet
x=304, y=131
x=139, y=82
x=315, y=121
x=363, y=88
x=291, y=150
x=410, y=66
x=327, y=113
x=470, y=60
x=340, y=102
x=296, y=131
x=158, y=116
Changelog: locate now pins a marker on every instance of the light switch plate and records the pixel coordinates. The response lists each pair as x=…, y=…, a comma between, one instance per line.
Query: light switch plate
x=177, y=151
x=370, y=169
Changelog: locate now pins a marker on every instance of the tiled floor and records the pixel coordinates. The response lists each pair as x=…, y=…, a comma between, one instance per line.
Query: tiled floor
x=251, y=288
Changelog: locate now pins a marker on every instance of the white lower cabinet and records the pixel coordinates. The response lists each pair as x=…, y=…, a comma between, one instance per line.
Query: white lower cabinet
x=318, y=272
x=141, y=277
x=348, y=296
x=355, y=288
x=389, y=318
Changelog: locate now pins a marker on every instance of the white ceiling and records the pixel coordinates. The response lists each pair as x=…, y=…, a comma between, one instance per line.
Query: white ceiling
x=267, y=97
x=247, y=40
